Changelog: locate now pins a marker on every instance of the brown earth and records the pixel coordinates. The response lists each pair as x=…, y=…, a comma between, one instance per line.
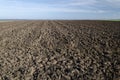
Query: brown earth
x=60, y=50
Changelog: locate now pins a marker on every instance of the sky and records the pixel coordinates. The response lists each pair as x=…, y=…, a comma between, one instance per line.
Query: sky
x=59, y=9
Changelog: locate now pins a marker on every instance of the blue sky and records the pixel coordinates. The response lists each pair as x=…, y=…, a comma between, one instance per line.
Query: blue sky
x=59, y=9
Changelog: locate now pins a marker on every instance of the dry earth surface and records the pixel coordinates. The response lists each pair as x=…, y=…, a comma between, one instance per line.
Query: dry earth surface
x=60, y=50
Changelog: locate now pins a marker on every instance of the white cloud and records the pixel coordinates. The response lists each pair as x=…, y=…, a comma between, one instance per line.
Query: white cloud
x=114, y=3
x=41, y=8
x=90, y=7
x=82, y=2
x=20, y=6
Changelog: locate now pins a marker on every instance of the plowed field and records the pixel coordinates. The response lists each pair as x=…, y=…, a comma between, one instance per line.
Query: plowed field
x=60, y=50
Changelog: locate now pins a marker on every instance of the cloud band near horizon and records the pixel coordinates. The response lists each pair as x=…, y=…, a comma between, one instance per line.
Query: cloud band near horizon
x=52, y=9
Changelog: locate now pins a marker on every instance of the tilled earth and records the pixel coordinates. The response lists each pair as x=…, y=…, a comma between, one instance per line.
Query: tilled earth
x=60, y=50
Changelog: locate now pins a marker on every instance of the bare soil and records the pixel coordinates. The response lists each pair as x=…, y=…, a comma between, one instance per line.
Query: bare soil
x=60, y=50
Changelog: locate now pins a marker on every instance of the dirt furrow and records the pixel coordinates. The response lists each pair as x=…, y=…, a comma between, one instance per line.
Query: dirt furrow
x=59, y=50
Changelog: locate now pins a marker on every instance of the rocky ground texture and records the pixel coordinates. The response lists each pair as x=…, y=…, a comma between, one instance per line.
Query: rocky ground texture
x=60, y=50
